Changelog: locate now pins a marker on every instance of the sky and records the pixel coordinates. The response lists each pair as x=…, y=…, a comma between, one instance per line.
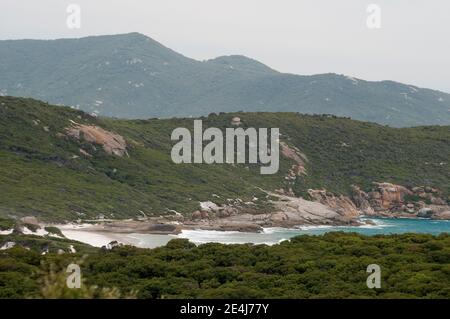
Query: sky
x=296, y=36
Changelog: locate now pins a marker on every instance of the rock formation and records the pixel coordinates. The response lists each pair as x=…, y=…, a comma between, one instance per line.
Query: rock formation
x=361, y=201
x=298, y=157
x=387, y=196
x=288, y=211
x=387, y=199
x=293, y=211
x=339, y=203
x=113, y=144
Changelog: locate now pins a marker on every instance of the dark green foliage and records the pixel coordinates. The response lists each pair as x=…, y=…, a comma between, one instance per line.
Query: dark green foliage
x=39, y=244
x=6, y=224
x=54, y=230
x=32, y=227
x=329, y=266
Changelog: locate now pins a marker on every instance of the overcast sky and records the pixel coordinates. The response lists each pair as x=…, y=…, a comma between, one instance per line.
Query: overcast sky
x=296, y=36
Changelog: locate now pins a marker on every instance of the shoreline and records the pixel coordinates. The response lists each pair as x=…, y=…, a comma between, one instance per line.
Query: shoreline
x=86, y=233
x=98, y=237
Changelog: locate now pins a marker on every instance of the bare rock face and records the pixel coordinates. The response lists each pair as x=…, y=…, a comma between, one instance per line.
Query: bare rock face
x=278, y=217
x=442, y=215
x=324, y=208
x=387, y=196
x=31, y=220
x=339, y=203
x=298, y=157
x=208, y=206
x=199, y=215
x=429, y=194
x=210, y=210
x=425, y=212
x=361, y=200
x=292, y=211
x=112, y=143
x=288, y=211
x=227, y=211
x=387, y=199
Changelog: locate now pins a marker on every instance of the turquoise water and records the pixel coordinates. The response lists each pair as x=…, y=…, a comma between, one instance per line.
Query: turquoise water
x=275, y=235
x=269, y=236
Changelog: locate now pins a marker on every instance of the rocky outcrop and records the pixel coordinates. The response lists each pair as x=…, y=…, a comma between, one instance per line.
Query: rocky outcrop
x=425, y=212
x=387, y=199
x=387, y=196
x=31, y=220
x=436, y=211
x=113, y=245
x=298, y=157
x=429, y=194
x=151, y=226
x=288, y=211
x=210, y=211
x=343, y=205
x=444, y=215
x=326, y=208
x=293, y=211
x=200, y=215
x=361, y=200
x=113, y=144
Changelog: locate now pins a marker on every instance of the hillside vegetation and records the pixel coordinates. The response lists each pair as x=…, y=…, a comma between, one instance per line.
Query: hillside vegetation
x=133, y=76
x=48, y=174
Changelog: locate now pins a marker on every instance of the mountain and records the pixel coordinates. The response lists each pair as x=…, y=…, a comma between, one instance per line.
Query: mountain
x=60, y=164
x=133, y=76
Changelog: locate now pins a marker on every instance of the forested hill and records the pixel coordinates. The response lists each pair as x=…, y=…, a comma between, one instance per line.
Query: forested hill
x=133, y=76
x=51, y=169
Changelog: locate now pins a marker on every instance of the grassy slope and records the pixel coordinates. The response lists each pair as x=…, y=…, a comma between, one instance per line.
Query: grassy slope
x=39, y=176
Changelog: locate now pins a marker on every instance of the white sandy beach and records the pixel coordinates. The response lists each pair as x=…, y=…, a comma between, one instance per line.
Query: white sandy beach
x=85, y=234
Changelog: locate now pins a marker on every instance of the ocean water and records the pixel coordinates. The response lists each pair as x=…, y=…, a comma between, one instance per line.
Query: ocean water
x=268, y=236
x=272, y=236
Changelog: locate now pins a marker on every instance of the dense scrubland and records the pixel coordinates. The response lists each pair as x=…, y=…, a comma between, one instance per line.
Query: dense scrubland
x=329, y=266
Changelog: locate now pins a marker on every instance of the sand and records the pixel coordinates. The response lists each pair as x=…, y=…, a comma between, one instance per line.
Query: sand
x=86, y=233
